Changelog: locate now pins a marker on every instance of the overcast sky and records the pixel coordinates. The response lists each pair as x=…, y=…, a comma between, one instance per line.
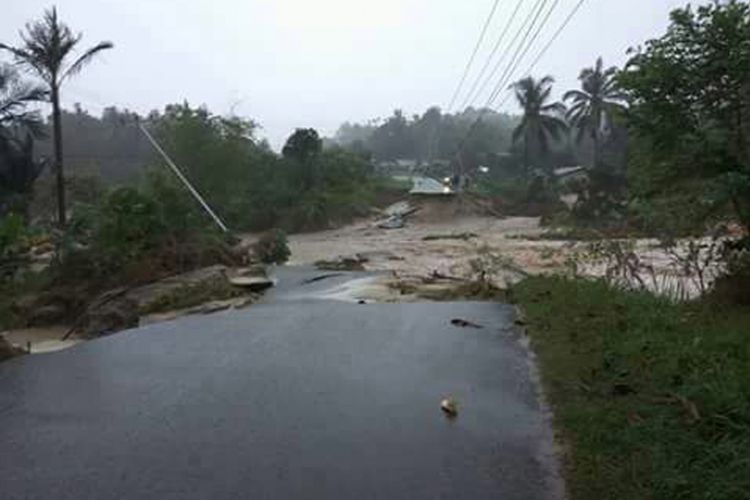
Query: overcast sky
x=318, y=63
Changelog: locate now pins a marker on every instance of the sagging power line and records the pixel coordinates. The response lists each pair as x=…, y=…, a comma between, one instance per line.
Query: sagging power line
x=478, y=45
x=539, y=56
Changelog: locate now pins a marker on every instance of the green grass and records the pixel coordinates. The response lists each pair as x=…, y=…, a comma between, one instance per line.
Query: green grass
x=651, y=399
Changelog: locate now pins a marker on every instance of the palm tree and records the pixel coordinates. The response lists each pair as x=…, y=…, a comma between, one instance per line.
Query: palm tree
x=15, y=96
x=47, y=45
x=18, y=128
x=594, y=105
x=541, y=120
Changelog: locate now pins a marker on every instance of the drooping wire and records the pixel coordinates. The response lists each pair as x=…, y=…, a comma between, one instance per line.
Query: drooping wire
x=544, y=50
x=535, y=15
x=467, y=69
x=494, y=51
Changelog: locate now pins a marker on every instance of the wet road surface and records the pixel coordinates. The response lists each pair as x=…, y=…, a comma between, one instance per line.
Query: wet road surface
x=286, y=399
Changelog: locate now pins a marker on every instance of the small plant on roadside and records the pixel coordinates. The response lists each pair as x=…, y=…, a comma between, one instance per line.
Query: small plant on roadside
x=13, y=242
x=697, y=259
x=272, y=247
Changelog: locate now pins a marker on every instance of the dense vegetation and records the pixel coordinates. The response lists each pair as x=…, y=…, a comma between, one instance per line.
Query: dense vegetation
x=651, y=398
x=689, y=116
x=650, y=395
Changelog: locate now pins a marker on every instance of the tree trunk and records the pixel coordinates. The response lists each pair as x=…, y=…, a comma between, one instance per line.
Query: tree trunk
x=595, y=159
x=596, y=135
x=57, y=139
x=743, y=214
x=526, y=154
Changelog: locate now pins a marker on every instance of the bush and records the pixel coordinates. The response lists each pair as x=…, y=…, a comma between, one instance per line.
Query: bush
x=12, y=233
x=272, y=247
x=13, y=241
x=140, y=234
x=733, y=287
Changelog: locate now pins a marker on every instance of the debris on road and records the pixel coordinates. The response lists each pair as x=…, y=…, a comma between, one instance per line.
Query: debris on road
x=392, y=222
x=396, y=215
x=462, y=323
x=320, y=278
x=355, y=263
x=449, y=407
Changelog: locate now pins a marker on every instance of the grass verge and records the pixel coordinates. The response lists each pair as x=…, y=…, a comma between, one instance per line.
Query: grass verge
x=651, y=399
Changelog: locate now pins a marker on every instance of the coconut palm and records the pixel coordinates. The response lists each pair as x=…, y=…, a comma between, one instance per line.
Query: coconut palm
x=18, y=128
x=594, y=105
x=47, y=47
x=542, y=120
x=15, y=96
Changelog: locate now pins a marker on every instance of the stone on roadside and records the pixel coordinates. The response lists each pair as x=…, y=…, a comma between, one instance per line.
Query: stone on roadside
x=112, y=316
x=8, y=350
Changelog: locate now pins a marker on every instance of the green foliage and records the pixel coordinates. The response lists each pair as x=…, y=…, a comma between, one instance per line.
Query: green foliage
x=18, y=128
x=134, y=234
x=303, y=145
x=254, y=189
x=690, y=114
x=733, y=286
x=520, y=195
x=47, y=48
x=432, y=136
x=595, y=106
x=650, y=397
x=541, y=121
x=272, y=247
x=12, y=234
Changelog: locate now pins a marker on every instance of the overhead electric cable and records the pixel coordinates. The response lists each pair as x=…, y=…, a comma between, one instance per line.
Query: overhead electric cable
x=494, y=51
x=467, y=69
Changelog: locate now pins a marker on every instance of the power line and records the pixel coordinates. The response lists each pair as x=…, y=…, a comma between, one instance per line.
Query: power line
x=548, y=45
x=492, y=56
x=433, y=135
x=520, y=55
x=539, y=56
x=473, y=55
x=530, y=18
x=535, y=13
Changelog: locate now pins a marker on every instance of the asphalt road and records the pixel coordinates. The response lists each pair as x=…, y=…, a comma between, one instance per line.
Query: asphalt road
x=286, y=399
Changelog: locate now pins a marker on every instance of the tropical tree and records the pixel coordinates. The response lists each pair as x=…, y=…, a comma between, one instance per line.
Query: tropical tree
x=302, y=150
x=594, y=105
x=541, y=119
x=47, y=47
x=689, y=115
x=18, y=127
x=15, y=96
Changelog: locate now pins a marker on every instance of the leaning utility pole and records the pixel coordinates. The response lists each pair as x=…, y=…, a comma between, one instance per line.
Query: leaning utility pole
x=182, y=178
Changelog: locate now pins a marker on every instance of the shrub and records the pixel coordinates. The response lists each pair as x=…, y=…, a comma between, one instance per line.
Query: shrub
x=12, y=233
x=733, y=286
x=272, y=247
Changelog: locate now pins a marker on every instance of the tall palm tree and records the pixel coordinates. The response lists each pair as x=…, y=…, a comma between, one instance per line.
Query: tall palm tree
x=594, y=105
x=18, y=128
x=541, y=120
x=15, y=96
x=47, y=46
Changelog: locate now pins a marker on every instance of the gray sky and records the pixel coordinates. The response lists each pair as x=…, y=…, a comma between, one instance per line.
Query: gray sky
x=317, y=63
